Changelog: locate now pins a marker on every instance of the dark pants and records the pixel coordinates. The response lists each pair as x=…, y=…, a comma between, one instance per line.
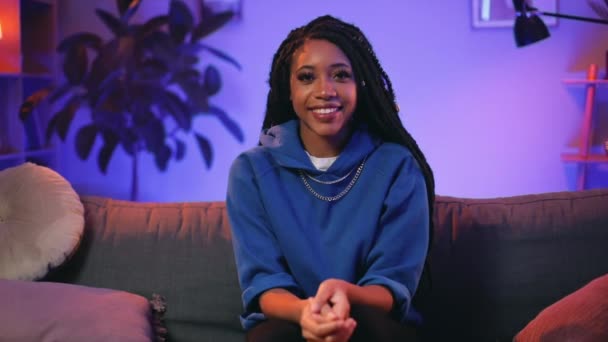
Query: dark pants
x=372, y=325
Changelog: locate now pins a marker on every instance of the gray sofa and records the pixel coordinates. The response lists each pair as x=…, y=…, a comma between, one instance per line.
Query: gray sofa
x=495, y=263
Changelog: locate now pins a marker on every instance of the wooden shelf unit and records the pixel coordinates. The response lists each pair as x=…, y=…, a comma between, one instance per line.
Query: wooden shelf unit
x=27, y=64
x=584, y=156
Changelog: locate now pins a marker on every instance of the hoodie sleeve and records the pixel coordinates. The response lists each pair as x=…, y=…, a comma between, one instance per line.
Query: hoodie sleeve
x=260, y=263
x=397, y=258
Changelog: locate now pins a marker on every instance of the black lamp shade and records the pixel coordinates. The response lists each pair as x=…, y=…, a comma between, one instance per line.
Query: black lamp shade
x=519, y=5
x=529, y=28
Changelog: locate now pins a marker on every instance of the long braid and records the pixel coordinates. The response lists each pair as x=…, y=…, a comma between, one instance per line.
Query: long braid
x=376, y=101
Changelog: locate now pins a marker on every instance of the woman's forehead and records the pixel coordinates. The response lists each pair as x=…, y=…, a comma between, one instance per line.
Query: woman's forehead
x=318, y=52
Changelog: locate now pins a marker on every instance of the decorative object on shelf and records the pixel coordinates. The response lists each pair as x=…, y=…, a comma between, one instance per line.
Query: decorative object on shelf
x=601, y=9
x=142, y=87
x=529, y=28
x=500, y=13
x=10, y=47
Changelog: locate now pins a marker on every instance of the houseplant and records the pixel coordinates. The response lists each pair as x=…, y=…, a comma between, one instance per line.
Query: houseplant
x=142, y=86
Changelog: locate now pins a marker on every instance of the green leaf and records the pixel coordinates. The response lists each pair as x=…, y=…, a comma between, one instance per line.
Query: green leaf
x=221, y=55
x=180, y=149
x=32, y=102
x=127, y=9
x=180, y=20
x=162, y=156
x=65, y=117
x=111, y=98
x=105, y=63
x=213, y=81
x=152, y=69
x=189, y=60
x=231, y=125
x=127, y=52
x=210, y=25
x=106, y=151
x=197, y=98
x=111, y=82
x=109, y=121
x=152, y=25
x=75, y=64
x=161, y=45
x=178, y=110
x=129, y=141
x=205, y=147
x=51, y=127
x=86, y=39
x=114, y=24
x=85, y=138
x=204, y=11
x=153, y=133
x=187, y=77
x=123, y=5
x=60, y=92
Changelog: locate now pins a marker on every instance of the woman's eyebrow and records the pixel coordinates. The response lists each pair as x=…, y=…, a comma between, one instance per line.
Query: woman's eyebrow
x=333, y=66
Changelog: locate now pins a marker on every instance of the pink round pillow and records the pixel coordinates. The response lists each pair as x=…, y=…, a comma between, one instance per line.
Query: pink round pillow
x=41, y=221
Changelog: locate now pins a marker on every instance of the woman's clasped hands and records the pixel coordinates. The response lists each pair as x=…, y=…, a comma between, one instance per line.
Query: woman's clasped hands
x=326, y=316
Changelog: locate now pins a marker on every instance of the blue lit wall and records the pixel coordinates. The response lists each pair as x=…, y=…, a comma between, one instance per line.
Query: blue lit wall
x=491, y=118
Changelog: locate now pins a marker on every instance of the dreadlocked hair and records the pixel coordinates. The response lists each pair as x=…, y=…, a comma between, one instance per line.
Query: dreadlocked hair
x=375, y=96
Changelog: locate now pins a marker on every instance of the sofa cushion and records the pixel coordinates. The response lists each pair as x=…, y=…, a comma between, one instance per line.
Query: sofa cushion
x=45, y=311
x=41, y=221
x=581, y=316
x=180, y=250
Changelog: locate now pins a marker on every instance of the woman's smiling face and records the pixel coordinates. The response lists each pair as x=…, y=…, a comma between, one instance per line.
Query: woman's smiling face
x=323, y=94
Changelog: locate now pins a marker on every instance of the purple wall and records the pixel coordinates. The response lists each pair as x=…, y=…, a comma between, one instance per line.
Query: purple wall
x=491, y=118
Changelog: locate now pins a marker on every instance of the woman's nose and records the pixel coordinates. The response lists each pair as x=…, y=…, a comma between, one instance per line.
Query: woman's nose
x=326, y=89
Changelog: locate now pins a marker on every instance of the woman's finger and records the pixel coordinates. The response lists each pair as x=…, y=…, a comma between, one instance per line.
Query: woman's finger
x=340, y=304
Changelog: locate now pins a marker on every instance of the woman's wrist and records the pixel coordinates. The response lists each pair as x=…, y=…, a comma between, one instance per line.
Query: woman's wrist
x=282, y=304
x=371, y=295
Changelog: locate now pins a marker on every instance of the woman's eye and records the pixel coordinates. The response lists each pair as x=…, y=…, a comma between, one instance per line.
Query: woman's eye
x=305, y=77
x=343, y=75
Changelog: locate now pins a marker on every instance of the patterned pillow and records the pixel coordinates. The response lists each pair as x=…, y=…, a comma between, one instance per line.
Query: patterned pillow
x=581, y=316
x=41, y=221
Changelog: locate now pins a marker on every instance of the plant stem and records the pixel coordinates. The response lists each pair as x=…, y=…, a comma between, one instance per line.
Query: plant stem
x=134, y=187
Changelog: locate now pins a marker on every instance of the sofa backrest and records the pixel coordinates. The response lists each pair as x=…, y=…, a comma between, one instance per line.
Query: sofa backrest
x=496, y=263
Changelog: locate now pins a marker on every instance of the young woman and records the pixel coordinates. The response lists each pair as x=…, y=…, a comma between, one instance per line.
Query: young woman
x=330, y=214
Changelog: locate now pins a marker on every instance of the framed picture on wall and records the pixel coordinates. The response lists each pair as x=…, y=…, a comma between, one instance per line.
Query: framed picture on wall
x=500, y=13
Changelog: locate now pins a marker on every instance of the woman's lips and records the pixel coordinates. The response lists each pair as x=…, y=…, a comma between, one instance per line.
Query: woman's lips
x=325, y=114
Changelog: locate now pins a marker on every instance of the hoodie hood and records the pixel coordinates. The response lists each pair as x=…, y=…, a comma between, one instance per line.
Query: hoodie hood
x=284, y=144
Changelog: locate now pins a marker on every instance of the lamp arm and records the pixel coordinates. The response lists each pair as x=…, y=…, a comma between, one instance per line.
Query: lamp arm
x=575, y=17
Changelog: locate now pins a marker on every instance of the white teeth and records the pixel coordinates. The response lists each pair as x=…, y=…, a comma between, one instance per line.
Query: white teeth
x=324, y=110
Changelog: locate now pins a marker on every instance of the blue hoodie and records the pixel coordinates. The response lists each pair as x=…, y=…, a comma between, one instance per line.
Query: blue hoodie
x=285, y=237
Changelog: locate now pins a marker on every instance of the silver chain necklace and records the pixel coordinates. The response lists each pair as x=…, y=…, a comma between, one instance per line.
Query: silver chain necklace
x=329, y=182
x=342, y=193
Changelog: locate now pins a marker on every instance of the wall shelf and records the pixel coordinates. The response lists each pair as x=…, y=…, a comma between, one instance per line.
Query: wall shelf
x=27, y=64
x=584, y=156
x=592, y=158
x=586, y=82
